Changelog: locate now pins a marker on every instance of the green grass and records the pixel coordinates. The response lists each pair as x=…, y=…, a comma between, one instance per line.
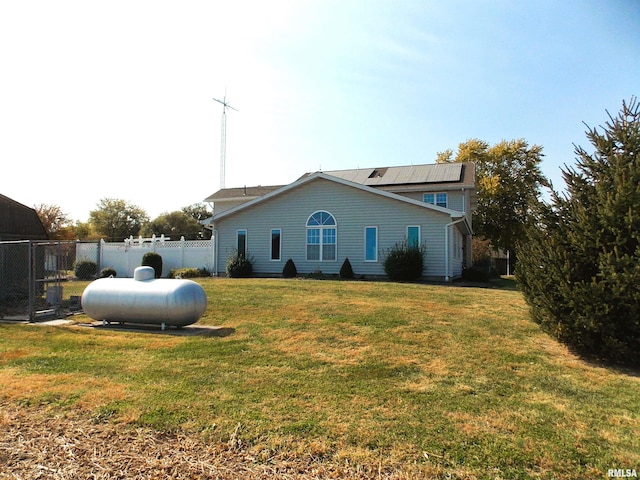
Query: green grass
x=457, y=381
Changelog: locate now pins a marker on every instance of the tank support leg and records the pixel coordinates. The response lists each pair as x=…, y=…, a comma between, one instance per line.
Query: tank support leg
x=164, y=326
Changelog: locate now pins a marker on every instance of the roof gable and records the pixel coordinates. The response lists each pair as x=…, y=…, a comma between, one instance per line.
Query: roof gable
x=430, y=177
x=323, y=175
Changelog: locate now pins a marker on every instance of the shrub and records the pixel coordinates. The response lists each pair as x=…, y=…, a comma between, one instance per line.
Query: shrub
x=404, y=262
x=476, y=274
x=238, y=266
x=152, y=259
x=289, y=270
x=85, y=270
x=108, y=272
x=189, y=273
x=346, y=271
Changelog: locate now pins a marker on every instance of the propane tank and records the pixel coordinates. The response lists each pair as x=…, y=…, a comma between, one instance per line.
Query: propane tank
x=145, y=299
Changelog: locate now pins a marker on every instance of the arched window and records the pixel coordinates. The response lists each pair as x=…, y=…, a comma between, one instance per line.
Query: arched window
x=322, y=237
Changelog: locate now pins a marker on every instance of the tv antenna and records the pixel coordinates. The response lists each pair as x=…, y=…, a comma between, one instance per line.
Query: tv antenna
x=223, y=136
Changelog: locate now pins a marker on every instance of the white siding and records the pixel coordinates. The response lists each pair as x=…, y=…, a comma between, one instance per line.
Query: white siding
x=455, y=198
x=352, y=208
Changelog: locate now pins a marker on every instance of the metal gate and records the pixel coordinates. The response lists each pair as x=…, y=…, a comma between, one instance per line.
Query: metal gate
x=33, y=277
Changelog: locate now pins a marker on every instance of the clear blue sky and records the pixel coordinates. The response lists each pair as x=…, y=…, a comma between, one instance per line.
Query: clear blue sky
x=114, y=99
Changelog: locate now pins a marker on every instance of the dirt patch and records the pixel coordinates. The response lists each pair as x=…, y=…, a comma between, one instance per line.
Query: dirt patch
x=37, y=444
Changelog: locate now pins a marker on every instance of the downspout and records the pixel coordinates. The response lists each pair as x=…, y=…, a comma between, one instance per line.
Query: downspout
x=215, y=252
x=446, y=247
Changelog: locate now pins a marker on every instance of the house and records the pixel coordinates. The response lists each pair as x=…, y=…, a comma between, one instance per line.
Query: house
x=19, y=222
x=324, y=217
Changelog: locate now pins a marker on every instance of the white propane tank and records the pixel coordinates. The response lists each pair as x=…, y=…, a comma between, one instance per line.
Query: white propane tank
x=145, y=299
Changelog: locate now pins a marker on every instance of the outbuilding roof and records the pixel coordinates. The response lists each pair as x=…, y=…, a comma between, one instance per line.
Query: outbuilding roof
x=19, y=222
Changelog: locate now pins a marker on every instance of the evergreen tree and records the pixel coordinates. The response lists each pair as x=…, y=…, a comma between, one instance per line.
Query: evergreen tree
x=289, y=270
x=579, y=267
x=346, y=271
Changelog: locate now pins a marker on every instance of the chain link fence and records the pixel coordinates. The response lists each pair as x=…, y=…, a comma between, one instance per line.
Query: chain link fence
x=37, y=281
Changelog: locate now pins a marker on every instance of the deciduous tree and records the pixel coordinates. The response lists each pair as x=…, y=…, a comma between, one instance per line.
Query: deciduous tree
x=117, y=219
x=55, y=221
x=175, y=225
x=508, y=179
x=200, y=211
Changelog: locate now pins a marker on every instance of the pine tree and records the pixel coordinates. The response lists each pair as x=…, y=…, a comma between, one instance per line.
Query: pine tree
x=346, y=271
x=289, y=270
x=580, y=263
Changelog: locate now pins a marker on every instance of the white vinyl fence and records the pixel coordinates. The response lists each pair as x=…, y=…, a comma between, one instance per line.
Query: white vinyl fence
x=125, y=256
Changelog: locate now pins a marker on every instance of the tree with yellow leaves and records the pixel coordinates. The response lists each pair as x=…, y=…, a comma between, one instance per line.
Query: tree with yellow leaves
x=508, y=179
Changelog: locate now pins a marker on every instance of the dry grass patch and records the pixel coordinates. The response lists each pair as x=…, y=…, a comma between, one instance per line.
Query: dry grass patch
x=491, y=422
x=10, y=355
x=344, y=379
x=36, y=444
x=85, y=392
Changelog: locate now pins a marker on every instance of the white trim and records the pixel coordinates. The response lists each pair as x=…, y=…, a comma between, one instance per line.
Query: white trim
x=447, y=276
x=435, y=198
x=322, y=211
x=321, y=244
x=216, y=251
x=375, y=260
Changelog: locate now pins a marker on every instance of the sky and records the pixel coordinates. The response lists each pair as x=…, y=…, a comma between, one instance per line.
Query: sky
x=115, y=99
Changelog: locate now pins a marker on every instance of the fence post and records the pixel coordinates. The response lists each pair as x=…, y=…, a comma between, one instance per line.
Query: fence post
x=100, y=256
x=129, y=253
x=32, y=280
x=182, y=247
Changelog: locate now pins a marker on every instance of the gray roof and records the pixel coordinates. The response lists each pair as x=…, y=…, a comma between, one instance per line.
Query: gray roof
x=433, y=175
x=461, y=174
x=245, y=193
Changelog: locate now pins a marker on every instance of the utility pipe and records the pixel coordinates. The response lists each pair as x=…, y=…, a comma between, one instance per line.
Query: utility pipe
x=216, y=252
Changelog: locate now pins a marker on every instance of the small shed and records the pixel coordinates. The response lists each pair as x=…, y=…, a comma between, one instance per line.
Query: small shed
x=19, y=226
x=19, y=222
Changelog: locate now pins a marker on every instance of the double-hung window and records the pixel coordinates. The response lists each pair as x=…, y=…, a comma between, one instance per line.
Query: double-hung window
x=322, y=239
x=439, y=199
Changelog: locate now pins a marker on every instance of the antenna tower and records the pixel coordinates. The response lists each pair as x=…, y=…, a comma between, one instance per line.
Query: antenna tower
x=223, y=136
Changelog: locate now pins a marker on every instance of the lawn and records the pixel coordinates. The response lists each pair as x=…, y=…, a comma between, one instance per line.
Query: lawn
x=411, y=380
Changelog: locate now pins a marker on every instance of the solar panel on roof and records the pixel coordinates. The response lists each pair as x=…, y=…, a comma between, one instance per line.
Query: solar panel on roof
x=432, y=173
